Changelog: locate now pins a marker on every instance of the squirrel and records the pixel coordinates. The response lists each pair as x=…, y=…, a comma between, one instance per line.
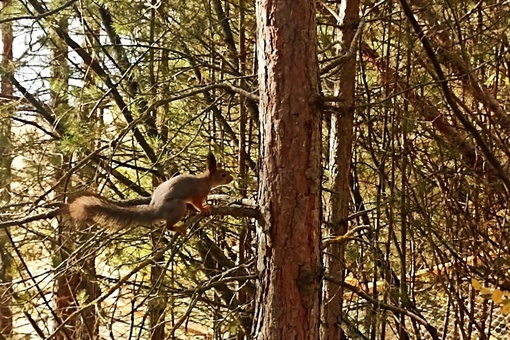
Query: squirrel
x=168, y=202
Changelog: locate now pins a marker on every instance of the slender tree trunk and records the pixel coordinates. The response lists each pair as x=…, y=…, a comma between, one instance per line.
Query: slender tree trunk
x=245, y=236
x=77, y=284
x=340, y=144
x=290, y=172
x=6, y=300
x=157, y=303
x=66, y=285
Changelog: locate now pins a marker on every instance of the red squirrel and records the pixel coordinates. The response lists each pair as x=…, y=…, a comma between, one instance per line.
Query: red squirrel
x=168, y=202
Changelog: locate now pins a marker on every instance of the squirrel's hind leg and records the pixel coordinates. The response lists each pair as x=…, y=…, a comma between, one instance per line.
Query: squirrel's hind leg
x=174, y=212
x=178, y=229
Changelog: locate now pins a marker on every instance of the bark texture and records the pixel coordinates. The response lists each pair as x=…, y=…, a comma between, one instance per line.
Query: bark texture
x=290, y=170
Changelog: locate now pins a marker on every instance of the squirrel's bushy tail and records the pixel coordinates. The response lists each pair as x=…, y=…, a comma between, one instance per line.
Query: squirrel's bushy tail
x=106, y=213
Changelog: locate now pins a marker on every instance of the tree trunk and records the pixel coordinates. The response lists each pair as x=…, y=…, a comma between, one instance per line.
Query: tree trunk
x=157, y=303
x=77, y=283
x=6, y=301
x=290, y=172
x=341, y=132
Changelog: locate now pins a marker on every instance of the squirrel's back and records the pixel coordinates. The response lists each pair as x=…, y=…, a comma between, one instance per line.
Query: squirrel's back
x=183, y=187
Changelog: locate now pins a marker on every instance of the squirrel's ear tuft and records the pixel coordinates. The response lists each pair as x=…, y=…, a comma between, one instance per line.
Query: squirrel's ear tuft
x=211, y=162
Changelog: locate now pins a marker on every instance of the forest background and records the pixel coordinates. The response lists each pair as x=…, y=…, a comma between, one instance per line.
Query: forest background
x=114, y=97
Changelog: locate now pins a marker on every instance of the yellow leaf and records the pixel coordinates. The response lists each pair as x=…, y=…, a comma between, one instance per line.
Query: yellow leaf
x=497, y=296
x=505, y=309
x=476, y=284
x=485, y=291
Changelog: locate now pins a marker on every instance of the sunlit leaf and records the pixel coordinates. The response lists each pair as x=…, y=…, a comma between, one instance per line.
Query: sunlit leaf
x=505, y=309
x=497, y=296
x=476, y=284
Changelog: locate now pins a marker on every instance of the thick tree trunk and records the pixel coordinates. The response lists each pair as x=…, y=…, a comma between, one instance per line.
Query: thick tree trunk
x=290, y=172
x=341, y=132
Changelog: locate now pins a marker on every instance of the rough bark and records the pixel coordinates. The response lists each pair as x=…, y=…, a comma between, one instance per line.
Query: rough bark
x=340, y=144
x=290, y=169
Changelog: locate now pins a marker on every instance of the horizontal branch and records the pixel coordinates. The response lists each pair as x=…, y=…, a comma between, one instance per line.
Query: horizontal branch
x=203, y=89
x=234, y=211
x=50, y=214
x=350, y=235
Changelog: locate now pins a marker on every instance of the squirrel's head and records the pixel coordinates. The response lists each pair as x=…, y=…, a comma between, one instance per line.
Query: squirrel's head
x=216, y=173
